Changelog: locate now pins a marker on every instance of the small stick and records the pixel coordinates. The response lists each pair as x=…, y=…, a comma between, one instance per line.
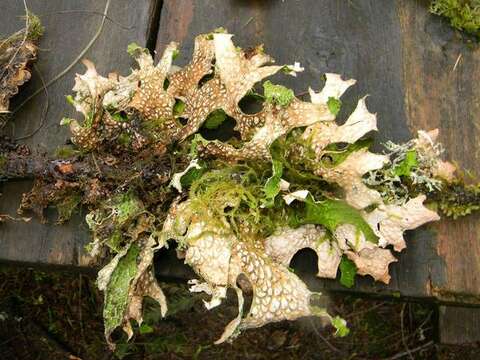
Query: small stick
x=414, y=350
x=27, y=25
x=404, y=341
x=77, y=59
x=333, y=348
x=113, y=21
x=456, y=62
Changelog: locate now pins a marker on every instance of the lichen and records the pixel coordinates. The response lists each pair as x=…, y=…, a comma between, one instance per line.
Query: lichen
x=288, y=177
x=17, y=52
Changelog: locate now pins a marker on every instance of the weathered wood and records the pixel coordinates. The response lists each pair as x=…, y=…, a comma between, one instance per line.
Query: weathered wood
x=459, y=325
x=441, y=73
x=403, y=57
x=66, y=34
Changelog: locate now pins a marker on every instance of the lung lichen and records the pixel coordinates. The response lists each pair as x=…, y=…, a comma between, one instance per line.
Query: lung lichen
x=288, y=177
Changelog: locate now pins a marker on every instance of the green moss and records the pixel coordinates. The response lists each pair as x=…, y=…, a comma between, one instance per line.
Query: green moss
x=405, y=167
x=66, y=207
x=457, y=199
x=334, y=105
x=277, y=94
x=462, y=14
x=66, y=152
x=35, y=28
x=227, y=194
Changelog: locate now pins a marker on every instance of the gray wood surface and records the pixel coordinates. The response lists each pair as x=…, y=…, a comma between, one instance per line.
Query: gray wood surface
x=66, y=34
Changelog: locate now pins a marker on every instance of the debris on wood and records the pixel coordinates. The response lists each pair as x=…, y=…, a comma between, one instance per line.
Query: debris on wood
x=17, y=52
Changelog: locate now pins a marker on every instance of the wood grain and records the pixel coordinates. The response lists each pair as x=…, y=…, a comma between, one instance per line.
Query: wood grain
x=66, y=34
x=441, y=73
x=458, y=325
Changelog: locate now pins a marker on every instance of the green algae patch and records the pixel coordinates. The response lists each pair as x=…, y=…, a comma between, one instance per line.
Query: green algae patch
x=348, y=270
x=277, y=94
x=406, y=166
x=116, y=293
x=332, y=213
x=334, y=105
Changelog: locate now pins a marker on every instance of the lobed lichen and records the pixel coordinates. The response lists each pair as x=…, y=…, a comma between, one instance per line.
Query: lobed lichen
x=285, y=178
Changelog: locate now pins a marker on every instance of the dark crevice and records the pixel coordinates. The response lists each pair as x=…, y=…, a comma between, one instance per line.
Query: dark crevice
x=154, y=25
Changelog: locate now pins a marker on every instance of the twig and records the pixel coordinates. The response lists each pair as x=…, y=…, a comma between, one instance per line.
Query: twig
x=80, y=314
x=355, y=313
x=414, y=350
x=456, y=62
x=333, y=348
x=59, y=346
x=404, y=341
x=45, y=109
x=113, y=21
x=248, y=21
x=77, y=59
x=27, y=24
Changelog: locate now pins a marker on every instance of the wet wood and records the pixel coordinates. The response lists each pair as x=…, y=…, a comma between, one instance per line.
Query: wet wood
x=458, y=325
x=66, y=34
x=441, y=72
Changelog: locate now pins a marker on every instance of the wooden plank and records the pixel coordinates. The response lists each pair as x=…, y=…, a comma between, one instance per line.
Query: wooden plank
x=440, y=94
x=458, y=325
x=66, y=34
x=403, y=57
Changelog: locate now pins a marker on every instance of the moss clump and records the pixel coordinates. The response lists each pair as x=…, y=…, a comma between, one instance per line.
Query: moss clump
x=35, y=28
x=66, y=152
x=463, y=14
x=458, y=199
x=232, y=193
x=277, y=94
x=3, y=162
x=66, y=207
x=334, y=105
